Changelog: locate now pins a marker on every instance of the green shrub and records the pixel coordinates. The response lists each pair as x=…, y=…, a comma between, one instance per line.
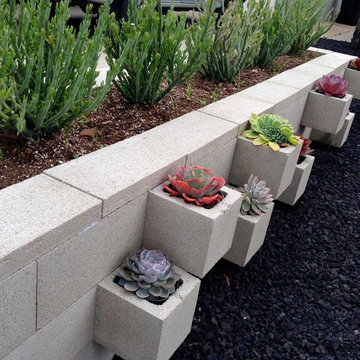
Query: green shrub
x=279, y=29
x=236, y=41
x=47, y=73
x=156, y=61
x=310, y=24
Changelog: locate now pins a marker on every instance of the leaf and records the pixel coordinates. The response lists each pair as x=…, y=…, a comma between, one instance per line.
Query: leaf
x=227, y=280
x=259, y=141
x=89, y=133
x=274, y=146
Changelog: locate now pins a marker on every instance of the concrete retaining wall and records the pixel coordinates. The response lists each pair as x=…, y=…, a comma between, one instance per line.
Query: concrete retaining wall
x=64, y=231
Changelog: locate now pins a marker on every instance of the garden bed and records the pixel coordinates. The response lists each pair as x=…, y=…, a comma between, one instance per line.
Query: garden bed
x=116, y=120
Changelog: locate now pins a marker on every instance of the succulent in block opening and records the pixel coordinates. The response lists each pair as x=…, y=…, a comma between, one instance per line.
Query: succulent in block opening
x=332, y=85
x=271, y=130
x=197, y=185
x=150, y=275
x=305, y=148
x=256, y=197
x=355, y=64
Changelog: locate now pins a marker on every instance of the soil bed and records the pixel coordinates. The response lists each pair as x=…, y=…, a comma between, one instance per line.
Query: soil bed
x=116, y=120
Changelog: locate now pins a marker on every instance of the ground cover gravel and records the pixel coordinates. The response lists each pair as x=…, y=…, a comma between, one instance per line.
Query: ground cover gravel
x=299, y=297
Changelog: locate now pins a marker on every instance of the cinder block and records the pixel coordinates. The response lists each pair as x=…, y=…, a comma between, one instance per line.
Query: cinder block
x=237, y=108
x=76, y=266
x=94, y=351
x=63, y=337
x=121, y=172
x=325, y=113
x=275, y=167
x=293, y=112
x=273, y=93
x=302, y=80
x=318, y=70
x=353, y=77
x=219, y=161
x=37, y=215
x=194, y=237
x=298, y=184
x=17, y=309
x=135, y=329
x=249, y=237
x=338, y=139
x=330, y=61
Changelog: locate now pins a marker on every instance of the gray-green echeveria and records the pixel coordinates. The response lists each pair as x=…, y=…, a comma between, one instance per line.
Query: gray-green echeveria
x=150, y=275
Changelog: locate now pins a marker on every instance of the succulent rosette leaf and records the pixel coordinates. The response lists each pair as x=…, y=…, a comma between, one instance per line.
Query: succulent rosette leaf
x=150, y=275
x=256, y=197
x=305, y=148
x=355, y=64
x=332, y=85
x=197, y=185
x=271, y=130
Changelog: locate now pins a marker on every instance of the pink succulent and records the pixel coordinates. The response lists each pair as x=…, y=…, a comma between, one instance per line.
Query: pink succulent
x=332, y=85
x=196, y=185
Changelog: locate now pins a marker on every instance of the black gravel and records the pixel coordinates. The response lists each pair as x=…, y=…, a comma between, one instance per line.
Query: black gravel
x=339, y=46
x=299, y=297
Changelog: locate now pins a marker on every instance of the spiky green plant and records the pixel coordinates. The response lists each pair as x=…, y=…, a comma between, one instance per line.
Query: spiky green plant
x=256, y=197
x=279, y=29
x=158, y=61
x=47, y=71
x=271, y=130
x=235, y=42
x=310, y=25
x=150, y=275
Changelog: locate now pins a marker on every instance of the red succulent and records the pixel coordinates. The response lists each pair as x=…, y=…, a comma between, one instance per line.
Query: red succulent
x=355, y=64
x=305, y=149
x=196, y=185
x=332, y=85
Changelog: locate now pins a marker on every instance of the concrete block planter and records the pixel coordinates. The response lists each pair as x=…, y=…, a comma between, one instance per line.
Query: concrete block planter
x=194, y=237
x=276, y=167
x=134, y=328
x=249, y=236
x=298, y=184
x=338, y=139
x=353, y=77
x=325, y=113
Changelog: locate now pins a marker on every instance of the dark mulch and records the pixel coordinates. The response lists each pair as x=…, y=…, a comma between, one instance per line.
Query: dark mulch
x=334, y=45
x=117, y=120
x=299, y=297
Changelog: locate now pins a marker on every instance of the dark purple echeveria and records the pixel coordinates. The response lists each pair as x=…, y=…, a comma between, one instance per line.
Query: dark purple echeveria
x=332, y=85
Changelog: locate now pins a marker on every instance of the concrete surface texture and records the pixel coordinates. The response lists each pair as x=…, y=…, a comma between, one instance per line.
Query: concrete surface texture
x=325, y=113
x=194, y=237
x=136, y=329
x=249, y=236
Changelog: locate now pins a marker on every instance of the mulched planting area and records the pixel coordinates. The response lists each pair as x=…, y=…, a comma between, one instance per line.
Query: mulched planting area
x=117, y=120
x=299, y=297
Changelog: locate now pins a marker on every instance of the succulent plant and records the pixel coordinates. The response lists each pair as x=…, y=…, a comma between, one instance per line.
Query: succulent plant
x=150, y=275
x=355, y=64
x=196, y=185
x=305, y=148
x=271, y=130
x=256, y=197
x=332, y=85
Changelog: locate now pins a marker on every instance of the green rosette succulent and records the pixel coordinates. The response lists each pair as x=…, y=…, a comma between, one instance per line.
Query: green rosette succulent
x=271, y=130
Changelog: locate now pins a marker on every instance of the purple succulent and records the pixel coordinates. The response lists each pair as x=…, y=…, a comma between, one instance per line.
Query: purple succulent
x=149, y=274
x=332, y=85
